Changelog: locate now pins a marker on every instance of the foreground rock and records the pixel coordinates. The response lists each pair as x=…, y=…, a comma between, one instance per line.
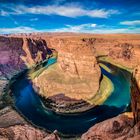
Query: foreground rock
x=14, y=127
x=10, y=117
x=119, y=128
x=25, y=132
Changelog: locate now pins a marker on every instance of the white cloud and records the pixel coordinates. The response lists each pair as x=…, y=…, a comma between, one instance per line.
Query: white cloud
x=20, y=29
x=33, y=19
x=4, y=13
x=83, y=28
x=131, y=23
x=79, y=28
x=68, y=10
x=98, y=29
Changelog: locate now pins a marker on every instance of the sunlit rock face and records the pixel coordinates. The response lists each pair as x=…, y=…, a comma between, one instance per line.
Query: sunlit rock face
x=75, y=58
x=76, y=73
x=117, y=128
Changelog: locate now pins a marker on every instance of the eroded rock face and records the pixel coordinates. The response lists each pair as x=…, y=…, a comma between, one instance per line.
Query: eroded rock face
x=18, y=53
x=76, y=73
x=118, y=128
x=135, y=94
x=9, y=117
x=25, y=132
x=76, y=78
x=119, y=49
x=63, y=104
x=14, y=127
x=115, y=128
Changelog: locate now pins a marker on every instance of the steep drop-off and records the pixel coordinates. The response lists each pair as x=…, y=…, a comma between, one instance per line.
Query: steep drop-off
x=18, y=54
x=125, y=126
x=21, y=52
x=76, y=76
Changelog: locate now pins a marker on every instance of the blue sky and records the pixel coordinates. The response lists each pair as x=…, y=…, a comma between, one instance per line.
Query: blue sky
x=88, y=16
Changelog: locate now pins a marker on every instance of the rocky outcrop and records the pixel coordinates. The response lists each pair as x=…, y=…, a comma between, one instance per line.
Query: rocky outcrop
x=25, y=132
x=13, y=127
x=76, y=75
x=135, y=94
x=116, y=128
x=63, y=104
x=18, y=54
x=77, y=71
x=10, y=117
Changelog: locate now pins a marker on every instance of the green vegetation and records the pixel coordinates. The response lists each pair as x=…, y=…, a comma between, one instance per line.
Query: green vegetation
x=106, y=88
x=32, y=74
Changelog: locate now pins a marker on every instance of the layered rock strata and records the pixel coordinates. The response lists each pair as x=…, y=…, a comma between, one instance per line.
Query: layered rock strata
x=19, y=52
x=76, y=75
x=135, y=94
x=118, y=128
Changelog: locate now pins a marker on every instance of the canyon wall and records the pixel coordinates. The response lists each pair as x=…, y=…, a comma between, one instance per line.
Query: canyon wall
x=125, y=126
x=16, y=55
x=20, y=52
x=135, y=94
x=120, y=49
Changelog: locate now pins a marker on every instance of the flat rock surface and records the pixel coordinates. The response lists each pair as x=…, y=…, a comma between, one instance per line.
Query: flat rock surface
x=117, y=127
x=9, y=117
x=25, y=132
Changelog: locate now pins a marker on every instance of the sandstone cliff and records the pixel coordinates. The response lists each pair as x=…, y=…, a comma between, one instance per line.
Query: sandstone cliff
x=125, y=126
x=18, y=54
x=135, y=94
x=76, y=74
x=23, y=51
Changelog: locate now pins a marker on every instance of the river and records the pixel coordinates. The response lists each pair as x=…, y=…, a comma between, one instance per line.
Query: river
x=29, y=104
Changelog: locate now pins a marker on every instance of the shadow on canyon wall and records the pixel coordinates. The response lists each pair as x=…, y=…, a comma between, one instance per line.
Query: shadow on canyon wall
x=18, y=53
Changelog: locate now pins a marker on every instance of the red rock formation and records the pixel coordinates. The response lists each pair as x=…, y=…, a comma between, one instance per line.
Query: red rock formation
x=19, y=52
x=135, y=94
x=116, y=128
x=14, y=127
x=25, y=132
